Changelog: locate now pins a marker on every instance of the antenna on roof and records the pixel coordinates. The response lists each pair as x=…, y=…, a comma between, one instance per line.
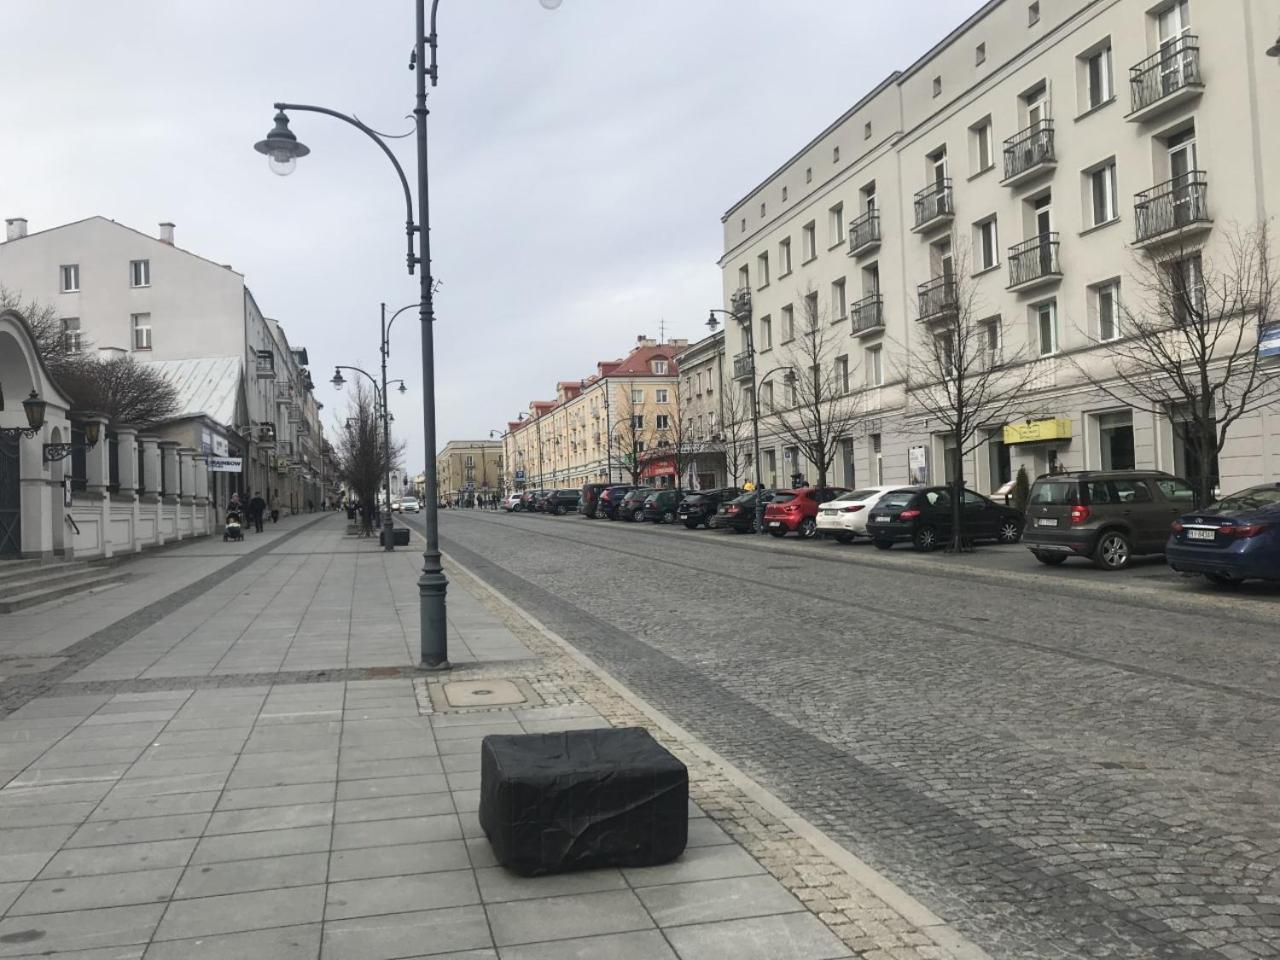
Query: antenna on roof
x=662, y=330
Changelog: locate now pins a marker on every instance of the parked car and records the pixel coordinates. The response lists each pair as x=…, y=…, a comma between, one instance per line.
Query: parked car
x=796, y=511
x=922, y=516
x=409, y=505
x=632, y=505
x=527, y=499
x=611, y=499
x=590, y=497
x=1107, y=516
x=540, y=501
x=511, y=502
x=560, y=502
x=698, y=508
x=660, y=506
x=845, y=517
x=395, y=506
x=739, y=514
x=1235, y=539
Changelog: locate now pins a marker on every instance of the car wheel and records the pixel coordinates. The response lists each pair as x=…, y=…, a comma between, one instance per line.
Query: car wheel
x=808, y=529
x=925, y=539
x=690, y=525
x=1223, y=580
x=882, y=544
x=843, y=537
x=559, y=511
x=637, y=516
x=777, y=532
x=1010, y=532
x=668, y=517
x=1049, y=559
x=1113, y=551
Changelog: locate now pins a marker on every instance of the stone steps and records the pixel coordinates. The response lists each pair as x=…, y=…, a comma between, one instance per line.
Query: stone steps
x=28, y=583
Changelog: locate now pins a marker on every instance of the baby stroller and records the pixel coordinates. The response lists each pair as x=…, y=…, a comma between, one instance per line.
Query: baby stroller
x=232, y=530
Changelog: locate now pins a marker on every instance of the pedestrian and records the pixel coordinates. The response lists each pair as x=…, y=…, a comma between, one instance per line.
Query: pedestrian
x=257, y=507
x=275, y=507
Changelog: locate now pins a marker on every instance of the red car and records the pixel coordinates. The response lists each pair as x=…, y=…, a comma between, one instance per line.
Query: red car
x=796, y=511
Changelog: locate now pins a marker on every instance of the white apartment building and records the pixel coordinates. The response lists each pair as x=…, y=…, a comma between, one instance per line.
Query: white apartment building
x=1042, y=148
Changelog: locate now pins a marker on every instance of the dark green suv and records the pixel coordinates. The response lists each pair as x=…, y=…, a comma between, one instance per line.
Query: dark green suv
x=660, y=506
x=1107, y=516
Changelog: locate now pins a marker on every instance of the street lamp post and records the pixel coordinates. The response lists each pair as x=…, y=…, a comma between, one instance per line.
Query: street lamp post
x=741, y=312
x=608, y=428
x=380, y=397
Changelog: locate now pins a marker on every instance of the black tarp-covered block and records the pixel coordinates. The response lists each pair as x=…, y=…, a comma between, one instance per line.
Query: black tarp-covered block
x=400, y=536
x=581, y=799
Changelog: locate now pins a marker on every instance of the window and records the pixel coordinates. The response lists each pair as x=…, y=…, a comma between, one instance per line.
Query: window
x=808, y=174
x=839, y=304
x=662, y=422
x=875, y=366
x=139, y=273
x=980, y=54
x=659, y=367
x=762, y=271
x=1099, y=87
x=992, y=339
x=640, y=445
x=983, y=154
x=637, y=396
x=469, y=460
x=744, y=277
x=1188, y=290
x=766, y=333
x=835, y=154
x=762, y=209
x=1046, y=320
x=1033, y=14
x=784, y=257
x=835, y=225
x=842, y=373
x=744, y=225
x=70, y=277
x=766, y=396
x=661, y=396
x=784, y=194
x=1177, y=490
x=637, y=421
x=788, y=323
x=1115, y=440
x=866, y=130
x=141, y=323
x=811, y=310
x=793, y=394
x=877, y=459
x=1102, y=193
x=987, y=243
x=809, y=241
x=1107, y=305
x=71, y=334
x=937, y=86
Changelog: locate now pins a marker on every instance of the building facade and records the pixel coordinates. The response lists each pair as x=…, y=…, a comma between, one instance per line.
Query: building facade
x=466, y=469
x=1045, y=154
x=713, y=418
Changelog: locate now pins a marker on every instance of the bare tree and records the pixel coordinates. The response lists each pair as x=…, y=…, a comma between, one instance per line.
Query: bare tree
x=120, y=388
x=629, y=434
x=361, y=456
x=959, y=373
x=734, y=433
x=1186, y=347
x=51, y=342
x=674, y=434
x=819, y=408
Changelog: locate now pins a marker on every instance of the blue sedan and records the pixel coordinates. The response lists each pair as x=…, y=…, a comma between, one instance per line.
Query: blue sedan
x=1235, y=539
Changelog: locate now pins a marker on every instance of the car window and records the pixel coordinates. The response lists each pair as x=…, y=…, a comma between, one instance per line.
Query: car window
x=1055, y=493
x=1127, y=491
x=972, y=499
x=1255, y=498
x=1179, y=491
x=896, y=501
x=783, y=497
x=858, y=495
x=937, y=498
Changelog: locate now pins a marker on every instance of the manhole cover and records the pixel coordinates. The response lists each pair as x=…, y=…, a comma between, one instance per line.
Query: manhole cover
x=486, y=693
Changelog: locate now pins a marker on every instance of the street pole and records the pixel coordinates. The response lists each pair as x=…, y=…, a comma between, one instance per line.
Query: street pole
x=388, y=528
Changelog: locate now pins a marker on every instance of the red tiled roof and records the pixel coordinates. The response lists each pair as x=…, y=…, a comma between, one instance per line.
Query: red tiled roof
x=637, y=362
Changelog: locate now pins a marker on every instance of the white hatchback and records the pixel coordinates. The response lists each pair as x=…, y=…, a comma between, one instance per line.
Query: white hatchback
x=845, y=517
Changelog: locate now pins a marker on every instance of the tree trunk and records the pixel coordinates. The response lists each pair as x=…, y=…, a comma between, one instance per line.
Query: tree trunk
x=1206, y=447
x=959, y=543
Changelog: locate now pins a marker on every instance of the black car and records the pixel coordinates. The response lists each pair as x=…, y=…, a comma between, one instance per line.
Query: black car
x=922, y=516
x=739, y=514
x=540, y=500
x=660, y=506
x=561, y=502
x=698, y=508
x=632, y=505
x=589, y=498
x=527, y=499
x=611, y=499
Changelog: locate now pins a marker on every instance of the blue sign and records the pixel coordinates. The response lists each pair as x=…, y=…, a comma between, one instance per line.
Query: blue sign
x=1269, y=341
x=519, y=474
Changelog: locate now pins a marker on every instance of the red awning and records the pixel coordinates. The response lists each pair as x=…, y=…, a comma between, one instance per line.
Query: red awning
x=659, y=467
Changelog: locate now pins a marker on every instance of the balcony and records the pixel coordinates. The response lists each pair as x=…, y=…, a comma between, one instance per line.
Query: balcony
x=743, y=367
x=934, y=206
x=265, y=362
x=868, y=315
x=864, y=233
x=1175, y=209
x=1029, y=153
x=1034, y=263
x=1166, y=79
x=937, y=300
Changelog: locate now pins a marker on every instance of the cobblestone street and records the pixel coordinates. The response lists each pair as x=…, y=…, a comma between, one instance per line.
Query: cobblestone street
x=1060, y=766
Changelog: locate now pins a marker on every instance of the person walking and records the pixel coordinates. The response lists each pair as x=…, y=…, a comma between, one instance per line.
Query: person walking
x=275, y=507
x=257, y=507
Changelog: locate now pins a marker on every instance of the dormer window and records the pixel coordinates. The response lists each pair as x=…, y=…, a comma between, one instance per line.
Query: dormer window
x=659, y=367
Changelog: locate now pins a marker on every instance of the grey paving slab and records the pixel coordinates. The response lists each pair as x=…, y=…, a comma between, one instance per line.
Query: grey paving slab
x=243, y=876
x=12, y=796
x=275, y=759
x=275, y=843
x=497, y=884
x=481, y=852
x=285, y=817
x=34, y=839
x=44, y=815
x=568, y=917
x=282, y=776
x=391, y=750
x=105, y=890
x=378, y=833
x=703, y=832
x=402, y=859
x=366, y=769
x=388, y=808
x=97, y=833
x=301, y=942
x=10, y=892
x=146, y=787
x=52, y=933
x=94, y=861
x=236, y=912
x=37, y=775
x=400, y=894
x=792, y=936
x=704, y=901
x=170, y=804
x=414, y=785
x=697, y=863
x=398, y=935
x=22, y=866
x=641, y=945
x=287, y=795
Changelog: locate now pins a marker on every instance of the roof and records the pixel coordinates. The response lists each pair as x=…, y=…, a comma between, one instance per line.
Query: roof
x=638, y=360
x=208, y=386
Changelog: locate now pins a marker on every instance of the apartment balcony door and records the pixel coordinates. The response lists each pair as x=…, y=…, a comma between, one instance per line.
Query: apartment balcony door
x=1175, y=59
x=1044, y=233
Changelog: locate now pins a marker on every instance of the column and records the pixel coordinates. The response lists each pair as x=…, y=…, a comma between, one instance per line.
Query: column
x=36, y=497
x=127, y=473
x=170, y=473
x=186, y=474
x=97, y=476
x=150, y=496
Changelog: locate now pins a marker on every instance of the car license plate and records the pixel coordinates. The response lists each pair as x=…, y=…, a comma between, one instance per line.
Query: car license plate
x=878, y=518
x=1201, y=534
x=1047, y=522
x=775, y=523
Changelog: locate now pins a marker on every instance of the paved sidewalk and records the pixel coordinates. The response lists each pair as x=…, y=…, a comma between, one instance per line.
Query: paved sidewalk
x=257, y=771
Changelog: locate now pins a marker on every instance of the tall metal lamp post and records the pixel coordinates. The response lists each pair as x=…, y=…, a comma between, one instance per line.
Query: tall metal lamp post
x=741, y=312
x=283, y=149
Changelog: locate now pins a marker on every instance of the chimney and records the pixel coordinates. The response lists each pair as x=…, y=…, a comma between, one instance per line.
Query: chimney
x=15, y=229
x=166, y=233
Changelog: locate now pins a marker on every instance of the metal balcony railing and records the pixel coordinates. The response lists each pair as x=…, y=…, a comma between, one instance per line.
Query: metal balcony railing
x=934, y=201
x=937, y=298
x=1034, y=259
x=1175, y=67
x=265, y=362
x=868, y=313
x=864, y=231
x=1171, y=205
x=1028, y=149
x=743, y=366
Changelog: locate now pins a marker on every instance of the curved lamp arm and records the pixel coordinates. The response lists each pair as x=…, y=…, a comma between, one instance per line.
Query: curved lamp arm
x=409, y=228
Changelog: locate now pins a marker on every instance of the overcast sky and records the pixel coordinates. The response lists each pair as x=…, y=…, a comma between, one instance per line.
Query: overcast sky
x=580, y=160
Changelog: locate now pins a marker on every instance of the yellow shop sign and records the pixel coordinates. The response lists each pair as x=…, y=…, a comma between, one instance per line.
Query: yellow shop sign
x=1037, y=431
